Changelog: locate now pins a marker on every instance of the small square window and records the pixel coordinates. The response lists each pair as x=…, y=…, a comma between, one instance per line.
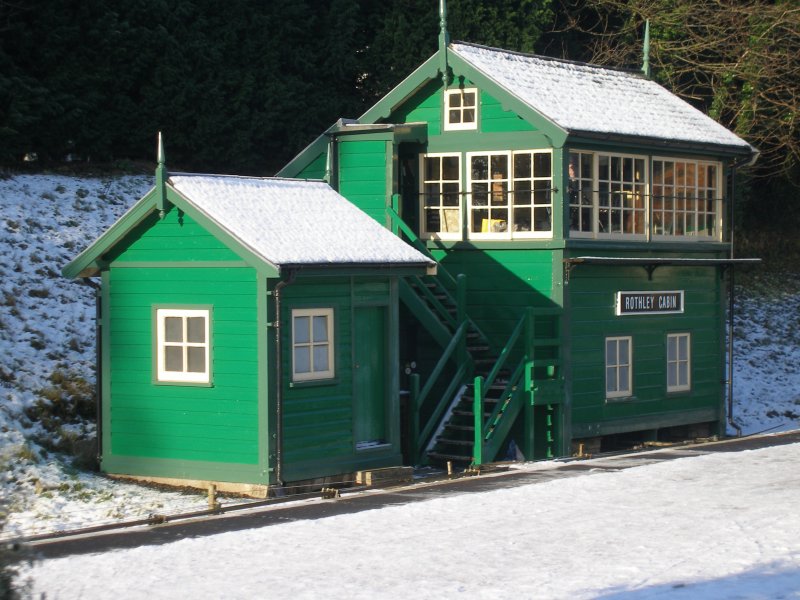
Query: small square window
x=461, y=109
x=679, y=362
x=182, y=345
x=619, y=352
x=312, y=344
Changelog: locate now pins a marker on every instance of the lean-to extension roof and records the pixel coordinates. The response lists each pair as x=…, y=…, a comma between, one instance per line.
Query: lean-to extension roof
x=583, y=98
x=294, y=222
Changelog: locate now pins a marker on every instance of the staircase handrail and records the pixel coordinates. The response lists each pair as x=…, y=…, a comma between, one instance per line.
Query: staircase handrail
x=505, y=352
x=416, y=242
x=455, y=382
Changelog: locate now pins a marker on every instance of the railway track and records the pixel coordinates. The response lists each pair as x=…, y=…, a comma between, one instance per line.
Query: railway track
x=249, y=515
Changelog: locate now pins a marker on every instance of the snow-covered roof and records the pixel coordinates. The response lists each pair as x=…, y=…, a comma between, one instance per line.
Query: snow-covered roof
x=294, y=222
x=586, y=98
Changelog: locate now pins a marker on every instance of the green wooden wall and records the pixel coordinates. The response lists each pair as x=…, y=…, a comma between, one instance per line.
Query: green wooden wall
x=362, y=178
x=319, y=417
x=590, y=297
x=173, y=430
x=175, y=238
x=501, y=283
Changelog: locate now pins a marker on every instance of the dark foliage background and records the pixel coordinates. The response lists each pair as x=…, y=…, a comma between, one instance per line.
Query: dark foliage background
x=242, y=86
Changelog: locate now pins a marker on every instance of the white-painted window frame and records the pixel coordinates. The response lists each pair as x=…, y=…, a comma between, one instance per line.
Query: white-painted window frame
x=474, y=230
x=329, y=344
x=584, y=187
x=717, y=199
x=461, y=126
x=423, y=197
x=676, y=363
x=183, y=376
x=614, y=365
x=644, y=195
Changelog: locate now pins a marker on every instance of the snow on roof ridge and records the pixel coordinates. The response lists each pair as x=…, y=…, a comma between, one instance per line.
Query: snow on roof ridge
x=248, y=177
x=295, y=222
x=566, y=61
x=587, y=98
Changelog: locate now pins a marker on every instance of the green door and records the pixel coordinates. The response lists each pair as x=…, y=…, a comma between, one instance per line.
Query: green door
x=369, y=375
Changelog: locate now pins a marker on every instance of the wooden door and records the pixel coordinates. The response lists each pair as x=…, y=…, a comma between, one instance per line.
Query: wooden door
x=369, y=375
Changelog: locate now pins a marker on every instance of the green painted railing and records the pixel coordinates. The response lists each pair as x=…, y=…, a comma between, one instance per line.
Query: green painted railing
x=399, y=226
x=420, y=434
x=442, y=284
x=520, y=390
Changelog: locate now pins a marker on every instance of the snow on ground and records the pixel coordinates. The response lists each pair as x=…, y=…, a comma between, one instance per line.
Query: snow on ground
x=716, y=526
x=47, y=356
x=767, y=352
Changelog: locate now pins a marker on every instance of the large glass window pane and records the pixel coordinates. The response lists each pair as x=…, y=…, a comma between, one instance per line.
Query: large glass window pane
x=450, y=168
x=480, y=167
x=541, y=165
x=522, y=165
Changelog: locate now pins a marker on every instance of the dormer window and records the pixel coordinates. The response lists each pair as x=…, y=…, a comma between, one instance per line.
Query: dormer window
x=461, y=109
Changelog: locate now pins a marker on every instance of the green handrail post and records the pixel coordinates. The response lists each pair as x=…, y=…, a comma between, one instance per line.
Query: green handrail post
x=393, y=226
x=402, y=226
x=461, y=314
x=530, y=348
x=413, y=418
x=477, y=411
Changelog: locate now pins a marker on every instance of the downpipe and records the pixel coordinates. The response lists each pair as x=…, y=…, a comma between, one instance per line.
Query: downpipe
x=290, y=277
x=749, y=161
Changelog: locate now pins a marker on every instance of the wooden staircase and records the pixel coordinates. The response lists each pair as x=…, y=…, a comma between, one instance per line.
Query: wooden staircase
x=485, y=389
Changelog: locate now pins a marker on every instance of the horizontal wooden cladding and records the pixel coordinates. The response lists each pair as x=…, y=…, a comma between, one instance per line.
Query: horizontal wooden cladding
x=501, y=284
x=424, y=107
x=316, y=168
x=217, y=423
x=212, y=401
x=168, y=443
x=591, y=291
x=175, y=238
x=494, y=118
x=318, y=417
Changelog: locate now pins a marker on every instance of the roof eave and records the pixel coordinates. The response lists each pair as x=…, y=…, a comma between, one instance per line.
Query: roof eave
x=394, y=268
x=89, y=262
x=745, y=151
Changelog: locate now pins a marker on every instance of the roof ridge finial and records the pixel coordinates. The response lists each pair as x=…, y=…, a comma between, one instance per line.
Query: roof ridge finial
x=161, y=179
x=646, y=49
x=444, y=41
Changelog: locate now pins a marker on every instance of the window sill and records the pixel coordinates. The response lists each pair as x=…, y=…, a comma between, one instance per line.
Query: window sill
x=313, y=383
x=621, y=399
x=205, y=384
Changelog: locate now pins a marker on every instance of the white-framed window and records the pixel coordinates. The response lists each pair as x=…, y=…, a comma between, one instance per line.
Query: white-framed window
x=183, y=349
x=686, y=198
x=608, y=195
x=581, y=194
x=619, y=369
x=312, y=344
x=510, y=194
x=679, y=362
x=621, y=192
x=440, y=196
x=460, y=109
